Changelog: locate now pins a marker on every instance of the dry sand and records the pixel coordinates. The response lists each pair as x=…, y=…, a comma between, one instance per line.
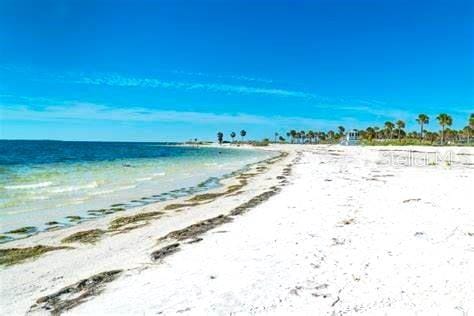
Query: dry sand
x=349, y=230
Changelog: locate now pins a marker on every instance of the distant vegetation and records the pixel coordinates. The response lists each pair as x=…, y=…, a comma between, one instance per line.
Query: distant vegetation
x=389, y=133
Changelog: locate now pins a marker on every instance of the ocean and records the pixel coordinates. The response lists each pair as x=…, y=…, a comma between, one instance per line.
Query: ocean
x=60, y=183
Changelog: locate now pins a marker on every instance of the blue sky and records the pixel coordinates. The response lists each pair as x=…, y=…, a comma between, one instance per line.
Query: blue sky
x=174, y=70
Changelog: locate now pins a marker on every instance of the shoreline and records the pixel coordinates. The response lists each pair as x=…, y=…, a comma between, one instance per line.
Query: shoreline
x=328, y=223
x=125, y=208
x=104, y=242
x=92, y=213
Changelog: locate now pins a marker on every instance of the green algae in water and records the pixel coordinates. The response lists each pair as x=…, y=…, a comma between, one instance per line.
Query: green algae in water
x=118, y=209
x=23, y=230
x=4, y=238
x=74, y=218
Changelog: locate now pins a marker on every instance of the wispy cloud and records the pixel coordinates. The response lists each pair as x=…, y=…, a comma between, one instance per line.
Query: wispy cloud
x=379, y=111
x=84, y=111
x=224, y=77
x=335, y=106
x=124, y=81
x=43, y=109
x=259, y=86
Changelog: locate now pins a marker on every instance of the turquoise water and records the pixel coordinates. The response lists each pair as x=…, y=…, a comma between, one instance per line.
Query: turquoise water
x=42, y=181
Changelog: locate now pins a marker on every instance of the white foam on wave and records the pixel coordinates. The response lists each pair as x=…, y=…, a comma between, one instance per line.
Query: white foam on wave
x=28, y=186
x=144, y=179
x=159, y=174
x=78, y=200
x=127, y=187
x=101, y=192
x=73, y=188
x=37, y=197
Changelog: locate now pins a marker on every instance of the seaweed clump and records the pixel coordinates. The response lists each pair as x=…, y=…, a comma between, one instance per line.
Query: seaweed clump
x=192, y=231
x=4, y=238
x=75, y=294
x=120, y=222
x=165, y=251
x=23, y=230
x=205, y=197
x=12, y=256
x=239, y=210
x=87, y=236
x=170, y=207
x=211, y=196
x=74, y=218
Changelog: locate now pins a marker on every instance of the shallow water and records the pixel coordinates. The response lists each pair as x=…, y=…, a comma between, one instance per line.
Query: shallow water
x=42, y=181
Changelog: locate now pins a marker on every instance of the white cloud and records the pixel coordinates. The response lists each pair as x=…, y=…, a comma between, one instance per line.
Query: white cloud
x=123, y=81
x=84, y=111
x=232, y=77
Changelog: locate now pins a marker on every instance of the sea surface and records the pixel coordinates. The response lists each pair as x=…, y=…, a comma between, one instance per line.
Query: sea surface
x=56, y=181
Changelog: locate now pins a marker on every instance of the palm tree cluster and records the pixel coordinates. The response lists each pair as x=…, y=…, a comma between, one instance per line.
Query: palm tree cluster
x=397, y=131
x=220, y=136
x=313, y=137
x=393, y=131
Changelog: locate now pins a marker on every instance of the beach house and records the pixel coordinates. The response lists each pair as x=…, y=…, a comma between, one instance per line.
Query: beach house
x=352, y=138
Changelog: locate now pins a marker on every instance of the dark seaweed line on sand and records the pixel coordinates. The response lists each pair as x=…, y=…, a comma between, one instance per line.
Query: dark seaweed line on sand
x=193, y=233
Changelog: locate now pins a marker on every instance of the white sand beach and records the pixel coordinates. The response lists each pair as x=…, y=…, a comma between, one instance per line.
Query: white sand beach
x=323, y=230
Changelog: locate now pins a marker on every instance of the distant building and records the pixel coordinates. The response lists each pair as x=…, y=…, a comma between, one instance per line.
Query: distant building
x=352, y=138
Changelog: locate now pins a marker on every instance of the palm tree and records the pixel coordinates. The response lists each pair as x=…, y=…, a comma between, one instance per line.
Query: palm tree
x=320, y=136
x=467, y=131
x=370, y=133
x=444, y=120
x=220, y=136
x=470, y=128
x=377, y=131
x=276, y=135
x=331, y=134
x=310, y=135
x=422, y=120
x=389, y=126
x=232, y=135
x=450, y=134
x=341, y=131
x=303, y=136
x=242, y=134
x=293, y=135
x=298, y=137
x=431, y=136
x=401, y=126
